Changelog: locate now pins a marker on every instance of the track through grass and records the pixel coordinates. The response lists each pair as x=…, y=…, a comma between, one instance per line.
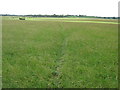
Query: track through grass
x=47, y=54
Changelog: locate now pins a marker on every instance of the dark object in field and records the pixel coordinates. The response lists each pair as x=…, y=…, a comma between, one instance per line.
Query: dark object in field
x=55, y=73
x=21, y=18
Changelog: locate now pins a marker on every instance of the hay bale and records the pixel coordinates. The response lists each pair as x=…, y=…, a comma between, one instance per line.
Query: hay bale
x=22, y=18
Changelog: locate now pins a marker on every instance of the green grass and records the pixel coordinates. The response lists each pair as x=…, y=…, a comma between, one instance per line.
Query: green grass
x=0, y=52
x=45, y=54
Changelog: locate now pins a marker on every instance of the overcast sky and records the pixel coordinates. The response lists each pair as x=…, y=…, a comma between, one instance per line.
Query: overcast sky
x=83, y=7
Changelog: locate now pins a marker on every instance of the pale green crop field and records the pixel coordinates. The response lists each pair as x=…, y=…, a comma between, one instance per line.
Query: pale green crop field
x=86, y=20
x=59, y=53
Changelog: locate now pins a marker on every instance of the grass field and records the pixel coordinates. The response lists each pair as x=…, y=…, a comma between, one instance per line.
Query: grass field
x=0, y=52
x=52, y=53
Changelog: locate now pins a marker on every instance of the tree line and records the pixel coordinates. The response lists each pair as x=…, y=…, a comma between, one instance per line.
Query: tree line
x=61, y=16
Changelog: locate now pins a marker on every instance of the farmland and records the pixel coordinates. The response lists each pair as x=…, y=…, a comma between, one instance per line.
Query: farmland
x=60, y=52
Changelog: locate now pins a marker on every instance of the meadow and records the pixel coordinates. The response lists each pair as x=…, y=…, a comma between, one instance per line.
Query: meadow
x=59, y=53
x=0, y=52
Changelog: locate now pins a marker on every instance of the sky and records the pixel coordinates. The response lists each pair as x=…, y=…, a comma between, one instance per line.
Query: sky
x=104, y=8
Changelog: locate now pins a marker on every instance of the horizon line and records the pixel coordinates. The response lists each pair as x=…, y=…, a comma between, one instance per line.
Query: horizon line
x=57, y=14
